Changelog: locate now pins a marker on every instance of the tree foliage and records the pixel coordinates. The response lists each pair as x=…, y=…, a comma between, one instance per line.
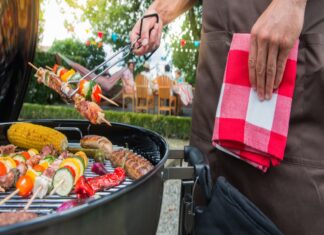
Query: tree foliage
x=88, y=56
x=188, y=59
x=114, y=16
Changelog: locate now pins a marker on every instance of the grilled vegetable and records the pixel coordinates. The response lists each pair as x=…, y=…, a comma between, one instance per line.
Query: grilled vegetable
x=19, y=158
x=97, y=154
x=83, y=189
x=63, y=181
x=90, y=90
x=83, y=156
x=25, y=186
x=3, y=169
x=8, y=162
x=75, y=164
x=32, y=174
x=66, y=76
x=27, y=135
x=33, y=152
x=99, y=168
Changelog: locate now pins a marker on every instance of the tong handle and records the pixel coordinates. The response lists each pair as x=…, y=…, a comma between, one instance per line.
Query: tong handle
x=146, y=57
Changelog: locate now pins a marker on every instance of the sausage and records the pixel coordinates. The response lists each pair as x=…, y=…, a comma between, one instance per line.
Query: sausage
x=135, y=165
x=97, y=142
x=8, y=218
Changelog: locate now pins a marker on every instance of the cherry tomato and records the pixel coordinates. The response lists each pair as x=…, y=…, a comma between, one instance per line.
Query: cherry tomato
x=71, y=170
x=25, y=185
x=25, y=154
x=96, y=92
x=3, y=169
x=39, y=168
x=55, y=68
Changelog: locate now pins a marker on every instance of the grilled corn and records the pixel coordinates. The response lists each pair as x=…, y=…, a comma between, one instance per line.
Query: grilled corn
x=27, y=135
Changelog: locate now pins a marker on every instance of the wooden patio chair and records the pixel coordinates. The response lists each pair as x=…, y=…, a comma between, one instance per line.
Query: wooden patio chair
x=126, y=96
x=166, y=101
x=144, y=101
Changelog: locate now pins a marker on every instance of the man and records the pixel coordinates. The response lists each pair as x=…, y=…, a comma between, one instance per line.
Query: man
x=292, y=194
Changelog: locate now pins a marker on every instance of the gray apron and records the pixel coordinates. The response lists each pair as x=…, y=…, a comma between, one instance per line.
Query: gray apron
x=292, y=194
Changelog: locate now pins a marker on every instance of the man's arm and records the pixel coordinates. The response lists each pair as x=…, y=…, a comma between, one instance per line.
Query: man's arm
x=167, y=10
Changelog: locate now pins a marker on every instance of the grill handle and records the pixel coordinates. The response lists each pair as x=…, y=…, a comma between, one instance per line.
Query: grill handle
x=69, y=129
x=199, y=161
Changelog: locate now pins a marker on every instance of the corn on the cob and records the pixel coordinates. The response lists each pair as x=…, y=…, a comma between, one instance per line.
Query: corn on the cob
x=27, y=135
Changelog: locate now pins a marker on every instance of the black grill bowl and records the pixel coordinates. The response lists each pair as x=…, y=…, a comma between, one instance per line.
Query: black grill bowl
x=134, y=209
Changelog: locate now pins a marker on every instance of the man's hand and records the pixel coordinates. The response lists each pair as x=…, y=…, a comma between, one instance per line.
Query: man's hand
x=149, y=41
x=272, y=37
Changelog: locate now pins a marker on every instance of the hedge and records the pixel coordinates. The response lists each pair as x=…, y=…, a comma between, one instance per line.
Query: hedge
x=167, y=126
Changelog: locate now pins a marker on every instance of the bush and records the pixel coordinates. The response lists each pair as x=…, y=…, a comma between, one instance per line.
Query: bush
x=168, y=126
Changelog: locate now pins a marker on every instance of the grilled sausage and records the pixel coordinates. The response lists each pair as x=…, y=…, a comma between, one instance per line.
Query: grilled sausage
x=97, y=142
x=8, y=218
x=135, y=165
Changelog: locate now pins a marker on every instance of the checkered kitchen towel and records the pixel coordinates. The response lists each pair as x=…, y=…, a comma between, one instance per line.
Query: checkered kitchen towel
x=252, y=130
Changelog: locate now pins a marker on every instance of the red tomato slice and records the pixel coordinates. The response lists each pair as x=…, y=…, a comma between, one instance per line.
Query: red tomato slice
x=25, y=185
x=25, y=154
x=71, y=170
x=3, y=169
x=39, y=168
x=96, y=92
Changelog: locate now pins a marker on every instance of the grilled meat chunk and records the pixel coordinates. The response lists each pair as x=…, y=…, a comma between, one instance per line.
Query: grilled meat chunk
x=9, y=179
x=8, y=218
x=7, y=149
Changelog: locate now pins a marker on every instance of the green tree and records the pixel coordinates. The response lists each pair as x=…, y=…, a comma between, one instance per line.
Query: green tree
x=110, y=17
x=187, y=59
x=86, y=55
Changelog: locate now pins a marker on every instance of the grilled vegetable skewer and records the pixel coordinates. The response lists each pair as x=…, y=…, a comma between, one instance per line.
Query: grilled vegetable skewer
x=88, y=89
x=87, y=109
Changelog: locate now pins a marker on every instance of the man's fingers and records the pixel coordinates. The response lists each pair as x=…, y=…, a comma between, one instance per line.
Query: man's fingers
x=271, y=70
x=153, y=37
x=281, y=64
x=261, y=67
x=252, y=62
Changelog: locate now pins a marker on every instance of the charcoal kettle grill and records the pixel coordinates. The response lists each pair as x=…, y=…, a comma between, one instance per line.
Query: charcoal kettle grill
x=131, y=208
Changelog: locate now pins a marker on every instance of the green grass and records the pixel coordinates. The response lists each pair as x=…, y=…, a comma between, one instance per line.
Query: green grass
x=167, y=126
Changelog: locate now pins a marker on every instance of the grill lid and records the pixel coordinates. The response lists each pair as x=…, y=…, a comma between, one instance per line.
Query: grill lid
x=18, y=37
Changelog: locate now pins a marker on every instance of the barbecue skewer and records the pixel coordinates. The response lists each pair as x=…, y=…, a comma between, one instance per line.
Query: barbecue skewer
x=88, y=109
x=32, y=199
x=9, y=196
x=102, y=96
x=56, y=187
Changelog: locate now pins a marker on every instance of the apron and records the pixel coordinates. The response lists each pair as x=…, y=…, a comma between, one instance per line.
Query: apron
x=292, y=194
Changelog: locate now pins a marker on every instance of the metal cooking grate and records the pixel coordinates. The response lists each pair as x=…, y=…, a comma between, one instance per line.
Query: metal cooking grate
x=49, y=204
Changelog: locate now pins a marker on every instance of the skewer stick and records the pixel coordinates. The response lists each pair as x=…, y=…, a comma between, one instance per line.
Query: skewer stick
x=105, y=121
x=56, y=187
x=109, y=100
x=33, y=66
x=32, y=198
x=49, y=68
x=9, y=196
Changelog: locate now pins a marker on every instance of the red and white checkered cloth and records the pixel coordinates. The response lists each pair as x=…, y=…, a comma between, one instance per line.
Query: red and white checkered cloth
x=252, y=130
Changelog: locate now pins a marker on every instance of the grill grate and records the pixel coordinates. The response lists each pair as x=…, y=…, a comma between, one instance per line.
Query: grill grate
x=49, y=204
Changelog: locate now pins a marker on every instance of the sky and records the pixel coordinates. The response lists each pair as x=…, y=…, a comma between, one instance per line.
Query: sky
x=54, y=29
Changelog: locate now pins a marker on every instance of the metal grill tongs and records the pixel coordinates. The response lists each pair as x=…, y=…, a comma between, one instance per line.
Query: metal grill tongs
x=113, y=59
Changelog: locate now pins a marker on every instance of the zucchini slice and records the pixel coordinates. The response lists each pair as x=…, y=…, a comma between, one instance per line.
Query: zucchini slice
x=63, y=181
